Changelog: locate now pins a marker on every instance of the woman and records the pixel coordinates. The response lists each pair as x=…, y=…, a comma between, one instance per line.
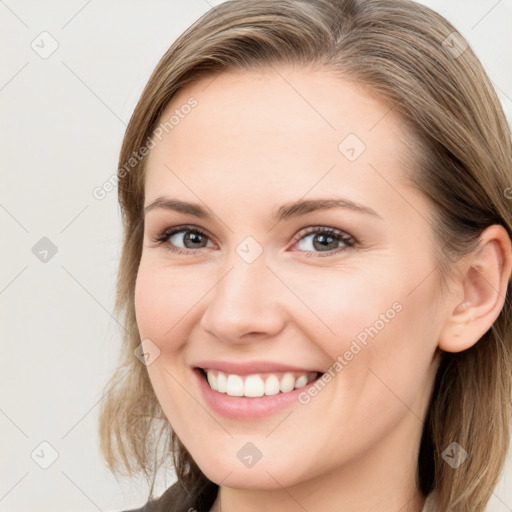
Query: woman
x=316, y=265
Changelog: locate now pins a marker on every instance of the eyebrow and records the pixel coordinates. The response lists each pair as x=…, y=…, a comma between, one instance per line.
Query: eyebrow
x=286, y=211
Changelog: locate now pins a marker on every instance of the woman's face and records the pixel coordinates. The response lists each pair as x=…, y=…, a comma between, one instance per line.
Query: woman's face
x=356, y=299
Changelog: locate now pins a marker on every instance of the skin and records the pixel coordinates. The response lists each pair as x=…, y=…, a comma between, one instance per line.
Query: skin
x=255, y=141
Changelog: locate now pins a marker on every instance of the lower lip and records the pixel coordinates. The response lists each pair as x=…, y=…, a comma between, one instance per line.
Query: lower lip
x=247, y=408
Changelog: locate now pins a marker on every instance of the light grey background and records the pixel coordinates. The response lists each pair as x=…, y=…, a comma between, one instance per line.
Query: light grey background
x=63, y=119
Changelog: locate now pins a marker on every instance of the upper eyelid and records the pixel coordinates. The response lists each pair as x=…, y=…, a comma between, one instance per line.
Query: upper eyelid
x=173, y=230
x=299, y=235
x=192, y=227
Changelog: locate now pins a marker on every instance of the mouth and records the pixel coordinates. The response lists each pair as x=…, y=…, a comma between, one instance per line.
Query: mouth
x=257, y=384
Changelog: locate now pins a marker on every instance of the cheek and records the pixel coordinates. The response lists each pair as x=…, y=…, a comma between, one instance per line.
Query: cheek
x=159, y=306
x=338, y=305
x=160, y=302
x=375, y=319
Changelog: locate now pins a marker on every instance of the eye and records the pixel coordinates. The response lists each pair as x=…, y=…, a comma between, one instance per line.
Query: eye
x=326, y=240
x=191, y=237
x=317, y=239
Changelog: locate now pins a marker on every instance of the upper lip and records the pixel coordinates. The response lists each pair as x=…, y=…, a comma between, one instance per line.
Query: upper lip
x=250, y=367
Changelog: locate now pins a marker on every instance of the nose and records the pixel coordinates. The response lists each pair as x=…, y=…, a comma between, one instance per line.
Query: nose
x=244, y=304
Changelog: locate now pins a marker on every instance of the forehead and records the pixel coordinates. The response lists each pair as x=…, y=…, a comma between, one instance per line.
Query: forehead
x=272, y=130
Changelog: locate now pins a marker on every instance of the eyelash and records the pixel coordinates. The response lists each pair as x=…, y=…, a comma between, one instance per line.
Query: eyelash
x=337, y=234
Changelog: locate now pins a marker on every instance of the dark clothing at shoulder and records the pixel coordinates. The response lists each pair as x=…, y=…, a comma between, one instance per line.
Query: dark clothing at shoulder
x=172, y=500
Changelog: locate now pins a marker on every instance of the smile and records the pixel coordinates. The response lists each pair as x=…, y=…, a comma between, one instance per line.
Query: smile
x=257, y=385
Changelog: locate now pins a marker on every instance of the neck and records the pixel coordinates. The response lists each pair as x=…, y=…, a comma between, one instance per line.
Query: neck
x=228, y=502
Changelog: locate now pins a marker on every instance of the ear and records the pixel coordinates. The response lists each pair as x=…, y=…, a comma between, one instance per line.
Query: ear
x=480, y=290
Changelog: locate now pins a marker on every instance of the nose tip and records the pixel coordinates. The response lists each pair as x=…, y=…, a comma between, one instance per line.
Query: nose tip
x=242, y=306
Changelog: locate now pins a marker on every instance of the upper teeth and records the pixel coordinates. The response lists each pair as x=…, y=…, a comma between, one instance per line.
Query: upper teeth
x=256, y=385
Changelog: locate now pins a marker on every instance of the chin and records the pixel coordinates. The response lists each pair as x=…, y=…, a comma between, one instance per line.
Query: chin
x=264, y=475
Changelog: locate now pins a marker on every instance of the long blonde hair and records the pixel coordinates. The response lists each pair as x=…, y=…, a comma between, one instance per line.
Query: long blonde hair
x=412, y=58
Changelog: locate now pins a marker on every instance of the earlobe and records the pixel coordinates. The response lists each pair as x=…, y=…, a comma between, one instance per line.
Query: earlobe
x=483, y=285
